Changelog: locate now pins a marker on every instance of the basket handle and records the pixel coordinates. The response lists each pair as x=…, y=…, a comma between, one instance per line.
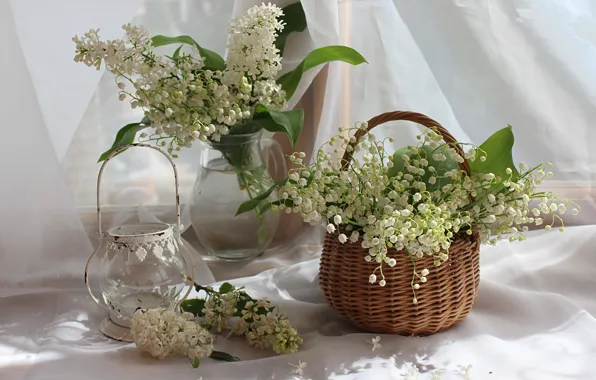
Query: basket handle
x=121, y=149
x=407, y=116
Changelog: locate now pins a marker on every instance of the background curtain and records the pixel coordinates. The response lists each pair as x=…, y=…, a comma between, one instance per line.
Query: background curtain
x=475, y=66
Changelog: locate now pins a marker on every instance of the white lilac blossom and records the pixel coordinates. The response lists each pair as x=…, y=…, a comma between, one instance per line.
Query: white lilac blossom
x=163, y=332
x=465, y=371
x=298, y=368
x=419, y=209
x=376, y=343
x=184, y=99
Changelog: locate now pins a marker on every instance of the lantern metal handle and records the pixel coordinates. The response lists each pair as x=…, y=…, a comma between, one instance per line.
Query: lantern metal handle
x=121, y=149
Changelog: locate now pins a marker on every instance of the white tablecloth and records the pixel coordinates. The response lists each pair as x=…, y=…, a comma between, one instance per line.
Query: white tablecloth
x=533, y=320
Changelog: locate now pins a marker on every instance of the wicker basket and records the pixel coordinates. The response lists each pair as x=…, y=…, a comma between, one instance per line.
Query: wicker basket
x=444, y=300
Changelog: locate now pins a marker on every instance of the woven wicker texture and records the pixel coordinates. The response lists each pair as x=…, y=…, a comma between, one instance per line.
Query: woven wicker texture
x=444, y=300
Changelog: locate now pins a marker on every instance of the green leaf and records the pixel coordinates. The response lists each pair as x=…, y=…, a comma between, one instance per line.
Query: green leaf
x=226, y=287
x=286, y=202
x=211, y=59
x=289, y=81
x=126, y=135
x=194, y=306
x=177, y=53
x=196, y=363
x=498, y=149
x=441, y=167
x=295, y=21
x=254, y=203
x=289, y=122
x=219, y=355
x=249, y=127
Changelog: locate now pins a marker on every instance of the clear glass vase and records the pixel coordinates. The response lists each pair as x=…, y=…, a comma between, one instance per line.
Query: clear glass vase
x=232, y=171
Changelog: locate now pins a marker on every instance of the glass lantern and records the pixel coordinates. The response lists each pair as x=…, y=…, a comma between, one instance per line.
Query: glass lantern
x=141, y=266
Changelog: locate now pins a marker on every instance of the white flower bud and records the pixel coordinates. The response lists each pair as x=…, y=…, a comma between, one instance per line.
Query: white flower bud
x=391, y=262
x=342, y=238
x=372, y=278
x=424, y=272
x=330, y=228
x=416, y=286
x=382, y=283
x=337, y=219
x=489, y=219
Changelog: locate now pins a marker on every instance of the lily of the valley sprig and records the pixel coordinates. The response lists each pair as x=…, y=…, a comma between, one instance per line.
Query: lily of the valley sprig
x=232, y=309
x=190, y=331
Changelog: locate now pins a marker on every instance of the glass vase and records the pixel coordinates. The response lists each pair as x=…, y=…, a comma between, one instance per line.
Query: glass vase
x=231, y=172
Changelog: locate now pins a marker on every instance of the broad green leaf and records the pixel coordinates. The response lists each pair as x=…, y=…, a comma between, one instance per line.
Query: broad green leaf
x=289, y=122
x=126, y=135
x=211, y=59
x=498, y=149
x=295, y=21
x=223, y=356
x=254, y=203
x=441, y=167
x=289, y=81
x=196, y=363
x=194, y=306
x=226, y=287
x=249, y=127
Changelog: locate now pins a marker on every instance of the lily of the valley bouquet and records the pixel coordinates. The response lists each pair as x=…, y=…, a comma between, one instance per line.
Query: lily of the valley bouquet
x=419, y=199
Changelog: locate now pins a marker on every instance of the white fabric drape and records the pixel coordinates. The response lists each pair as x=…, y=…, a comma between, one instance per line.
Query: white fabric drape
x=473, y=65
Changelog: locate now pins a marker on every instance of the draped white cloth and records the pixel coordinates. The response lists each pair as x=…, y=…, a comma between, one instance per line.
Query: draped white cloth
x=473, y=65
x=533, y=320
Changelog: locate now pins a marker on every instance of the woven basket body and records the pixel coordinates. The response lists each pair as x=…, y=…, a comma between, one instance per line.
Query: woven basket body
x=444, y=300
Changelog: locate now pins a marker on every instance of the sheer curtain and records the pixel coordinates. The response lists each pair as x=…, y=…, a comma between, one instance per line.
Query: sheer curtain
x=475, y=66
